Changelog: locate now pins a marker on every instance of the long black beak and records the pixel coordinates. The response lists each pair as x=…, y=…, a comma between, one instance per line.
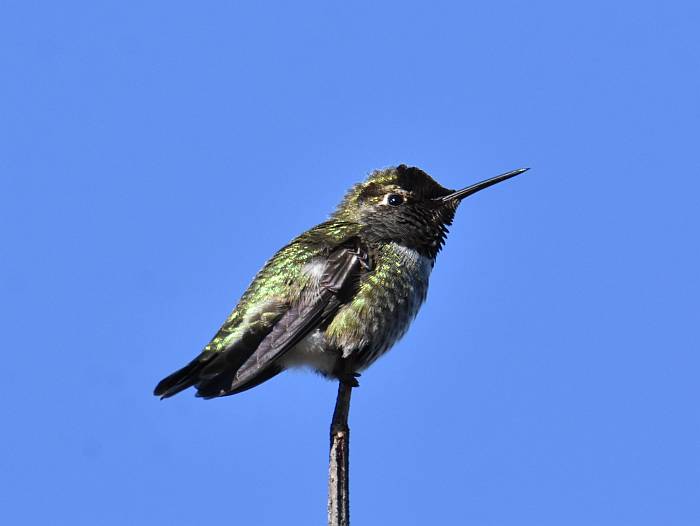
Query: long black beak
x=469, y=190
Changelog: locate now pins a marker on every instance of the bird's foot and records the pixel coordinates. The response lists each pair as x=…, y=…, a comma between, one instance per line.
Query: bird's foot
x=349, y=379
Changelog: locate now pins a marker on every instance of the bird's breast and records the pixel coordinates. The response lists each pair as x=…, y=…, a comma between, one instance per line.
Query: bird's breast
x=384, y=306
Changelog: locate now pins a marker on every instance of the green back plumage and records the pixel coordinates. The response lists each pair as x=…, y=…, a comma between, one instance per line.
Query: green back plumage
x=281, y=281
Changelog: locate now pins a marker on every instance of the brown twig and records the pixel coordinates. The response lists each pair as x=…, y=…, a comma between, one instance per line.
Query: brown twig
x=339, y=463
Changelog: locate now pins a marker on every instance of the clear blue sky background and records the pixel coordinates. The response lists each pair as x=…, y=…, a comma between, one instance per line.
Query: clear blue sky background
x=154, y=154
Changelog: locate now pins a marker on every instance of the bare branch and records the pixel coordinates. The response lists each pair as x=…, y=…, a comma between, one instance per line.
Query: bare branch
x=339, y=463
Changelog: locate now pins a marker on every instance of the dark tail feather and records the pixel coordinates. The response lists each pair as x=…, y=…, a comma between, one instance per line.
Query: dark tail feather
x=186, y=377
x=212, y=373
x=221, y=386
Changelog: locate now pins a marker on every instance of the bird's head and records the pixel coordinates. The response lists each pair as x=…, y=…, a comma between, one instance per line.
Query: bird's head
x=405, y=205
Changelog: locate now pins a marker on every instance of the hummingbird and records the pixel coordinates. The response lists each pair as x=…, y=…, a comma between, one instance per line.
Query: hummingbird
x=338, y=296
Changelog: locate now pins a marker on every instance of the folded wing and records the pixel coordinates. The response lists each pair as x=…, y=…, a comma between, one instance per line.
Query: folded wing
x=254, y=356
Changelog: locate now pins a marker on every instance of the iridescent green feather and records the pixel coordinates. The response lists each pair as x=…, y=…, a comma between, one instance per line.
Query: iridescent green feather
x=281, y=282
x=389, y=283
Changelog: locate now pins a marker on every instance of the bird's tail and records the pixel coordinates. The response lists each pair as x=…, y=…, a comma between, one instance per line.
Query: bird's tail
x=183, y=378
x=213, y=374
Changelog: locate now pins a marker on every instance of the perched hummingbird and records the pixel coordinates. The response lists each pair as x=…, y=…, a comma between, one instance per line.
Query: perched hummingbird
x=338, y=296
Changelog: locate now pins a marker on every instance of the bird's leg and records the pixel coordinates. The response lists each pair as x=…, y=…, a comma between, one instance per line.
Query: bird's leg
x=344, y=371
x=348, y=378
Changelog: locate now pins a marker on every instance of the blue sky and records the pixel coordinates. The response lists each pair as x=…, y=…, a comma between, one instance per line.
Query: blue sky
x=154, y=155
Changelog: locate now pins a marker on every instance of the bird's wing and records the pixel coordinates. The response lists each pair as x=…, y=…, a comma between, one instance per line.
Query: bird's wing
x=244, y=354
x=338, y=281
x=340, y=275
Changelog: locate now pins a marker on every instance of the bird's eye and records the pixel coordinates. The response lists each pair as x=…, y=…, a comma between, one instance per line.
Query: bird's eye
x=394, y=199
